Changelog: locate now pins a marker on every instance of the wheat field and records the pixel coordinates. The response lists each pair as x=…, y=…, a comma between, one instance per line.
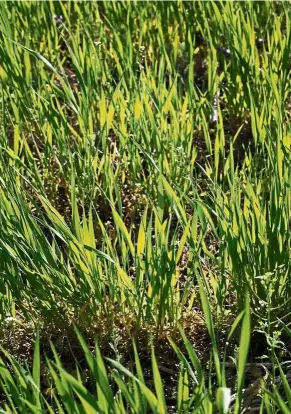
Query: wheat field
x=145, y=181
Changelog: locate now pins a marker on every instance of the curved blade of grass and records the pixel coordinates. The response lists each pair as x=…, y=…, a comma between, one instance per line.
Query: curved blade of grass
x=245, y=338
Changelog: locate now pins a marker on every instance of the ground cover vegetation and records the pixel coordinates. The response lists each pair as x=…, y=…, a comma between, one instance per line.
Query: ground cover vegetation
x=145, y=207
